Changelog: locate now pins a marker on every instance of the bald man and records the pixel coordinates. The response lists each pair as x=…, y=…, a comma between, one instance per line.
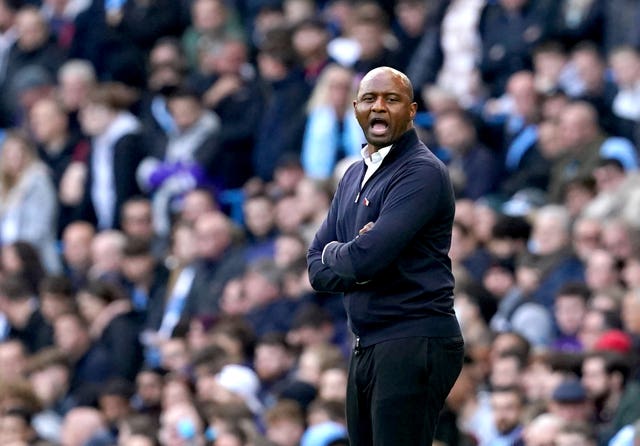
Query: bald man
x=385, y=244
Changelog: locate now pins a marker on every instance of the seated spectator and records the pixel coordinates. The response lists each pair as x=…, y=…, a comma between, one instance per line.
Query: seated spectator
x=49, y=373
x=28, y=205
x=59, y=147
x=22, y=260
x=229, y=87
x=77, y=239
x=269, y=310
x=113, y=324
x=285, y=423
x=569, y=309
x=474, y=169
x=116, y=150
x=281, y=127
x=57, y=297
x=91, y=363
x=550, y=247
x=145, y=277
x=82, y=425
x=16, y=427
x=107, y=250
x=26, y=323
x=585, y=144
x=332, y=132
x=186, y=161
x=211, y=22
x=76, y=78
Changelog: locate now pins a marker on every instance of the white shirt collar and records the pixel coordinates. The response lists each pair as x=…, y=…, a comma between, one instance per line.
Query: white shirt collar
x=376, y=157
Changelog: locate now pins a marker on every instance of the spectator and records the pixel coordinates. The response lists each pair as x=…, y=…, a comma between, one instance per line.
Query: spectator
x=474, y=169
x=22, y=260
x=310, y=40
x=552, y=256
x=49, y=374
x=285, y=423
x=77, y=239
x=116, y=151
x=269, y=309
x=107, y=251
x=330, y=115
x=586, y=144
x=76, y=78
x=62, y=150
x=13, y=356
x=26, y=323
x=57, y=297
x=228, y=85
x=113, y=325
x=569, y=402
x=91, y=364
x=570, y=307
x=281, y=126
x=507, y=404
x=29, y=206
x=212, y=21
x=526, y=23
x=83, y=425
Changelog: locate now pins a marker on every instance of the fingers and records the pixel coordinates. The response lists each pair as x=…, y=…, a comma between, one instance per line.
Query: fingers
x=366, y=228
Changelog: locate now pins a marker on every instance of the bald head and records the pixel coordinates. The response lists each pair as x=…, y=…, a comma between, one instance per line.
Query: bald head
x=393, y=73
x=384, y=107
x=80, y=424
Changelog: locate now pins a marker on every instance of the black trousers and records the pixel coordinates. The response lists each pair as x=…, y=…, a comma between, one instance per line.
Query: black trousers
x=397, y=388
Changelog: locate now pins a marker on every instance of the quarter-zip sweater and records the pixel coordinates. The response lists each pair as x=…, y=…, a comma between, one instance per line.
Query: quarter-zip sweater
x=396, y=278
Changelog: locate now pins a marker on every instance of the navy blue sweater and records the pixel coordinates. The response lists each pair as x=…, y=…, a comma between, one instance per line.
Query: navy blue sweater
x=396, y=278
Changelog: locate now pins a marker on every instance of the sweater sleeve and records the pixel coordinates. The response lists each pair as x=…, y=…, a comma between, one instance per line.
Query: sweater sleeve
x=322, y=278
x=414, y=198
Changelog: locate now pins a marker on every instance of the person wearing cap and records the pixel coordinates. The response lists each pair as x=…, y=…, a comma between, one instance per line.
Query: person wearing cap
x=385, y=244
x=569, y=401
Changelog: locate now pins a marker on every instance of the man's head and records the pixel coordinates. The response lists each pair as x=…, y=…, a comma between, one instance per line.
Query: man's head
x=507, y=404
x=384, y=106
x=603, y=375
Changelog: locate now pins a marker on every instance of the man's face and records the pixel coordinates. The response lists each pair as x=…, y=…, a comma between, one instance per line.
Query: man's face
x=594, y=378
x=383, y=107
x=506, y=408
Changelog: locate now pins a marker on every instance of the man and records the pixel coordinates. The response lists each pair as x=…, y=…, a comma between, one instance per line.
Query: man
x=507, y=405
x=385, y=244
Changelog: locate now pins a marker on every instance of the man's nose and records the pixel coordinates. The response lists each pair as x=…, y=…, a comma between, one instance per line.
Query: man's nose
x=379, y=104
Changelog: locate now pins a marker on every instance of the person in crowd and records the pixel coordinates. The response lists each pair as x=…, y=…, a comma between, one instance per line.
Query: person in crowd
x=77, y=239
x=113, y=324
x=26, y=323
x=281, y=128
x=117, y=149
x=475, y=170
x=62, y=150
x=22, y=260
x=28, y=205
x=329, y=115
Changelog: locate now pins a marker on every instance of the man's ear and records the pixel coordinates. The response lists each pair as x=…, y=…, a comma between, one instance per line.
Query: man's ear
x=413, y=109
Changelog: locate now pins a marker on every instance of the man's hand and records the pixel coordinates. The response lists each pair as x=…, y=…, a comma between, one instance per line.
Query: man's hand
x=366, y=228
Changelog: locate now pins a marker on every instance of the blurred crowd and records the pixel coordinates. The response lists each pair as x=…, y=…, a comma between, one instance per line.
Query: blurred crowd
x=164, y=165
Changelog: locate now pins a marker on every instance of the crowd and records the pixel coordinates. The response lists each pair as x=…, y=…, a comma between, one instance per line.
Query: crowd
x=164, y=165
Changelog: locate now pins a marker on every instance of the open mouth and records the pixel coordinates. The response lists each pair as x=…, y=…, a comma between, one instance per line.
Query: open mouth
x=378, y=126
